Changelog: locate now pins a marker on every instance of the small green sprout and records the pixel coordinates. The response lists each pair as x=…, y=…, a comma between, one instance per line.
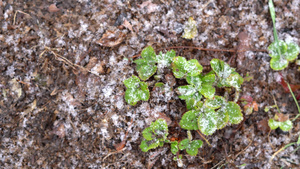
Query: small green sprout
x=190, y=29
x=155, y=135
x=280, y=51
x=181, y=67
x=191, y=147
x=284, y=125
x=174, y=147
x=146, y=66
x=136, y=90
x=227, y=77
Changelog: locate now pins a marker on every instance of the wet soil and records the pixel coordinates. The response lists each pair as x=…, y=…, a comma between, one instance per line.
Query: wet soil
x=62, y=68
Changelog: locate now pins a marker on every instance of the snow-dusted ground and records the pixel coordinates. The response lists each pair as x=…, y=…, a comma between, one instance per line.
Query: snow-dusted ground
x=54, y=115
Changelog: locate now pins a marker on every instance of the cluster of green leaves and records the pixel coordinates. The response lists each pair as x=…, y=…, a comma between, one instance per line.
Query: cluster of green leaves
x=207, y=111
x=147, y=65
x=211, y=115
x=281, y=52
x=155, y=135
x=215, y=112
x=136, y=90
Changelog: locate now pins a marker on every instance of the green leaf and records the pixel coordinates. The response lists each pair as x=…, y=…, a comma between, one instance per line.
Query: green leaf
x=235, y=80
x=192, y=101
x=292, y=51
x=286, y=126
x=277, y=49
x=193, y=68
x=278, y=63
x=223, y=71
x=208, y=91
x=147, y=145
x=186, y=91
x=207, y=122
x=148, y=53
x=209, y=79
x=222, y=118
x=178, y=66
x=160, y=129
x=144, y=93
x=189, y=120
x=215, y=103
x=159, y=84
x=194, y=80
x=273, y=124
x=139, y=63
x=131, y=96
x=192, y=149
x=190, y=29
x=146, y=71
x=234, y=112
x=147, y=134
x=132, y=82
x=298, y=142
x=184, y=144
x=170, y=55
x=174, y=147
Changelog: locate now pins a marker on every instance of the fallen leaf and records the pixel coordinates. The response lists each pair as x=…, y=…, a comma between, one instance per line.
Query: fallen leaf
x=151, y=7
x=53, y=8
x=111, y=38
x=127, y=25
x=263, y=126
x=281, y=117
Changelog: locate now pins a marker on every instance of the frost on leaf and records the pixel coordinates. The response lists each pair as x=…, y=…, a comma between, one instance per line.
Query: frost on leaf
x=207, y=121
x=136, y=90
x=174, y=147
x=234, y=112
x=182, y=67
x=155, y=135
x=284, y=126
x=227, y=76
x=281, y=53
x=190, y=29
x=191, y=147
x=189, y=120
x=146, y=66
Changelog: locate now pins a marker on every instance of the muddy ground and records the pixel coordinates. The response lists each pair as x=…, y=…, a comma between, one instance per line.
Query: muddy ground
x=62, y=93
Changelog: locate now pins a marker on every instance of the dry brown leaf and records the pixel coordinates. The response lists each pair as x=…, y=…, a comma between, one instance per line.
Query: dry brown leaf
x=111, y=38
x=53, y=8
x=151, y=7
x=281, y=117
x=127, y=25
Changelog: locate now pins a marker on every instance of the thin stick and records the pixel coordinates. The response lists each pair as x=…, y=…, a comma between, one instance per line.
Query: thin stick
x=204, y=138
x=281, y=149
x=15, y=15
x=276, y=104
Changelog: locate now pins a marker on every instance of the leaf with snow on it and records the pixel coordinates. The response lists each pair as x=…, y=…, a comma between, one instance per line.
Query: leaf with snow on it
x=174, y=147
x=207, y=121
x=191, y=147
x=178, y=66
x=234, y=112
x=193, y=67
x=189, y=120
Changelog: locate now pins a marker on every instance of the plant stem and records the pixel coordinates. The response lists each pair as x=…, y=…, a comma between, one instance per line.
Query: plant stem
x=295, y=101
x=189, y=135
x=237, y=95
x=272, y=12
x=276, y=104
